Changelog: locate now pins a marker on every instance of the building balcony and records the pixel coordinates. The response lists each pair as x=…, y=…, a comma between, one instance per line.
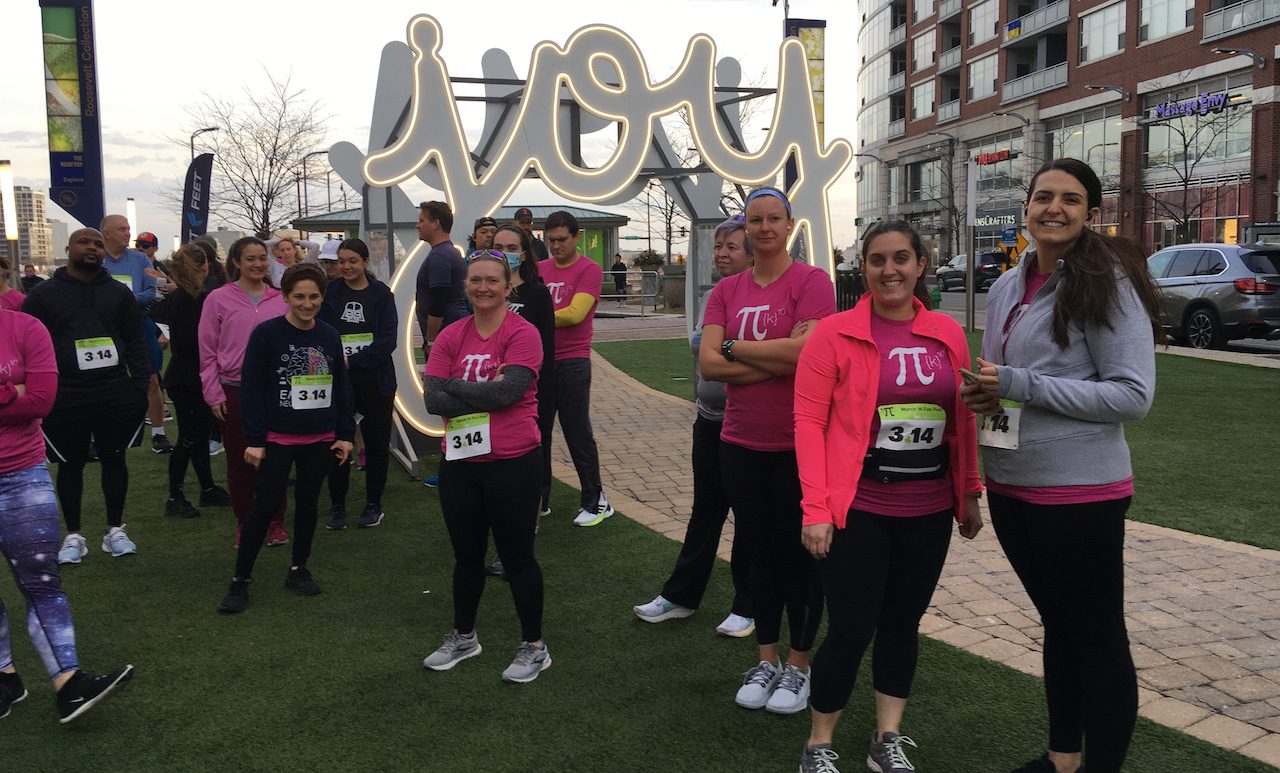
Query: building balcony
x=1025, y=28
x=1240, y=17
x=898, y=35
x=949, y=8
x=897, y=128
x=1038, y=81
x=949, y=111
x=897, y=83
x=950, y=60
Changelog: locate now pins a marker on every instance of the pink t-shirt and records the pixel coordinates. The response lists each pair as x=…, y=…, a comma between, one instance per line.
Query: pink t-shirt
x=760, y=416
x=460, y=352
x=913, y=369
x=26, y=357
x=584, y=276
x=12, y=300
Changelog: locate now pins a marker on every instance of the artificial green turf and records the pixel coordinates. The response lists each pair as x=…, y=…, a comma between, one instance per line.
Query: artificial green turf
x=335, y=682
x=665, y=364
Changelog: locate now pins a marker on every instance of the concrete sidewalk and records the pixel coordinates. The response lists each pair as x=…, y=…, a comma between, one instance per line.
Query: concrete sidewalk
x=1204, y=615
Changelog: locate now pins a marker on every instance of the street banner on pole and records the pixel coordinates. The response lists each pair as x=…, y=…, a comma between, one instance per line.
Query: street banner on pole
x=71, y=96
x=195, y=197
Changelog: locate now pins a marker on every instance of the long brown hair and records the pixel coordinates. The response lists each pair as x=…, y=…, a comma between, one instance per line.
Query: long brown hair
x=1088, y=291
x=185, y=264
x=882, y=227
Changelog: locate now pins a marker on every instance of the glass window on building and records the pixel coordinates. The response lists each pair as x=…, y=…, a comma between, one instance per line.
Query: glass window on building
x=1102, y=33
x=983, y=20
x=922, y=100
x=873, y=123
x=924, y=180
x=924, y=47
x=982, y=77
x=873, y=80
x=923, y=9
x=869, y=188
x=1160, y=18
x=1210, y=120
x=875, y=32
x=1093, y=137
x=1000, y=184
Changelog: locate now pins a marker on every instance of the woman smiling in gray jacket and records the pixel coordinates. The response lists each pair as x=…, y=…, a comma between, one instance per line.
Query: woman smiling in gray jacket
x=1067, y=356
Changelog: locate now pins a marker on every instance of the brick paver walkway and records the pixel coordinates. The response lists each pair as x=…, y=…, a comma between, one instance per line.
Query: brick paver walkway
x=1204, y=615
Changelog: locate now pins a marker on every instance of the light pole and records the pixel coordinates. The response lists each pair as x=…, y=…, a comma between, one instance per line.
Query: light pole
x=306, y=181
x=1254, y=55
x=10, y=203
x=1123, y=92
x=197, y=133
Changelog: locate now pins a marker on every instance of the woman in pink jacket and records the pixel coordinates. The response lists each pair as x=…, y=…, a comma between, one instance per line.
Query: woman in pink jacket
x=887, y=453
x=230, y=314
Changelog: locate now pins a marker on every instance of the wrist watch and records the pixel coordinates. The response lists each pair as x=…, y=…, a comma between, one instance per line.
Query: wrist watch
x=726, y=349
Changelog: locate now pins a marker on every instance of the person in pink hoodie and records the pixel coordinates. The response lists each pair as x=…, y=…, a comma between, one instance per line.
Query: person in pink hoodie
x=888, y=457
x=230, y=314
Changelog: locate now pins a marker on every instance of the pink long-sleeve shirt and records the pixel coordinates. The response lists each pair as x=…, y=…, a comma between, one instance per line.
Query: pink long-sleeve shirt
x=229, y=316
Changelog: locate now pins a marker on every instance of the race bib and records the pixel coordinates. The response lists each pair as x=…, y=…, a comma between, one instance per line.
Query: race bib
x=1001, y=430
x=467, y=436
x=124, y=279
x=911, y=426
x=94, y=353
x=309, y=393
x=354, y=342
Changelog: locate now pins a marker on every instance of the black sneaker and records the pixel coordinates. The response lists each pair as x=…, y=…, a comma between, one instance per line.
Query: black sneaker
x=337, y=518
x=237, y=597
x=11, y=692
x=372, y=516
x=302, y=583
x=161, y=445
x=180, y=508
x=215, y=496
x=83, y=690
x=495, y=569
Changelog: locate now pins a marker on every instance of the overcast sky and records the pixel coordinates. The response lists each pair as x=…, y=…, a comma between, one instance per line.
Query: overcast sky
x=155, y=58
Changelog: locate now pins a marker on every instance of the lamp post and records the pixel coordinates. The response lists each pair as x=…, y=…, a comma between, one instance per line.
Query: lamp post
x=1123, y=92
x=9, y=201
x=1254, y=55
x=197, y=133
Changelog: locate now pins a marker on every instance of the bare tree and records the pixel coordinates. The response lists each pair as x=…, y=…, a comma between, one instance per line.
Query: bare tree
x=259, y=149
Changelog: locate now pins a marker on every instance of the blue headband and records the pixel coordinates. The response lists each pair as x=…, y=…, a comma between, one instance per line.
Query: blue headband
x=769, y=192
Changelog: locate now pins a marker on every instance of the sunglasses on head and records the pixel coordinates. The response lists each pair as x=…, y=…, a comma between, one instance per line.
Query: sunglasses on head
x=482, y=254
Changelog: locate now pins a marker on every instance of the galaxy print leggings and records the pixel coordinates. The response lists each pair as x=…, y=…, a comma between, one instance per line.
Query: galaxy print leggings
x=29, y=538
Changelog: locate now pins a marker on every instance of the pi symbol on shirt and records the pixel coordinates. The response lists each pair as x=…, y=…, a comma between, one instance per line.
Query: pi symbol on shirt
x=473, y=365
x=353, y=313
x=752, y=313
x=556, y=289
x=914, y=352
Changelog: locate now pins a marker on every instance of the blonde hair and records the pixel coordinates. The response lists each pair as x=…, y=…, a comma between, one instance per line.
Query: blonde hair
x=185, y=264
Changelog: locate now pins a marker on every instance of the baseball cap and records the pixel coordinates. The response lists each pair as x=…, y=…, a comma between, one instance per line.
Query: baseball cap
x=329, y=250
x=147, y=239
x=485, y=221
x=524, y=215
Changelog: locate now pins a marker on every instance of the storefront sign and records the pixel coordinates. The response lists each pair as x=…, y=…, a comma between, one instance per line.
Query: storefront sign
x=986, y=159
x=999, y=221
x=1202, y=105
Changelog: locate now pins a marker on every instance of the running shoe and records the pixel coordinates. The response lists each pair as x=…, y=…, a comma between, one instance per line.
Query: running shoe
x=276, y=535
x=544, y=512
x=792, y=693
x=337, y=518
x=215, y=496
x=302, y=583
x=1041, y=764
x=237, y=597
x=736, y=626
x=117, y=543
x=528, y=663
x=180, y=508
x=431, y=481
x=887, y=754
x=818, y=759
x=495, y=569
x=588, y=517
x=11, y=692
x=371, y=517
x=455, y=649
x=660, y=610
x=758, y=685
x=73, y=549
x=84, y=690
x=161, y=445
x=215, y=448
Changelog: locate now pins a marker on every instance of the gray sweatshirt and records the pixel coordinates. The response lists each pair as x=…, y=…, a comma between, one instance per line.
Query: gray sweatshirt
x=1075, y=400
x=710, y=394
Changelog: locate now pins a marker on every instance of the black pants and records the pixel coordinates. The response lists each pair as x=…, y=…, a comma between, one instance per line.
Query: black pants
x=546, y=420
x=194, y=423
x=573, y=403
x=112, y=428
x=1070, y=558
x=878, y=578
x=764, y=491
x=375, y=426
x=501, y=496
x=313, y=462
x=702, y=539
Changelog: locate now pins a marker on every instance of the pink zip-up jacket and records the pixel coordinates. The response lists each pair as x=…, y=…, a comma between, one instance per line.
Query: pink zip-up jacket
x=837, y=379
x=228, y=317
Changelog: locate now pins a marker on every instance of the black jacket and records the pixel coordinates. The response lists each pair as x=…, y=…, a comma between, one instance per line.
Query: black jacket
x=378, y=316
x=184, y=348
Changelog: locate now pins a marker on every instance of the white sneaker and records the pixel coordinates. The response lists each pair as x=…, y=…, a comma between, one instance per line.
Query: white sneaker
x=73, y=549
x=594, y=517
x=758, y=685
x=736, y=626
x=659, y=610
x=117, y=543
x=215, y=448
x=792, y=694
x=544, y=512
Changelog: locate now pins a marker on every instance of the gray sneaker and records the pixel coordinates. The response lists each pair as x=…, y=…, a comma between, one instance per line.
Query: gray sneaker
x=528, y=663
x=455, y=649
x=887, y=755
x=819, y=759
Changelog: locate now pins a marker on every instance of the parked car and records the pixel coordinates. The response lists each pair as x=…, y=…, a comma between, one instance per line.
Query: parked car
x=1214, y=293
x=987, y=271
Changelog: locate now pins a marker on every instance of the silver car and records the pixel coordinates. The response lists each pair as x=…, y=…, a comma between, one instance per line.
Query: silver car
x=1214, y=293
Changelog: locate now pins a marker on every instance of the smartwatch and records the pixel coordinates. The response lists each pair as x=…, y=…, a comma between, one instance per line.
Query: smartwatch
x=726, y=349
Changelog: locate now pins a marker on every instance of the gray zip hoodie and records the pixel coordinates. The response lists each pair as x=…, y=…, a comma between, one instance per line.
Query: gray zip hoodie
x=1076, y=399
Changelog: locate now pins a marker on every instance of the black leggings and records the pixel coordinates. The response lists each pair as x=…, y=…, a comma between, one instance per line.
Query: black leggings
x=194, y=423
x=313, y=462
x=112, y=429
x=501, y=495
x=1070, y=558
x=375, y=426
x=764, y=491
x=878, y=577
